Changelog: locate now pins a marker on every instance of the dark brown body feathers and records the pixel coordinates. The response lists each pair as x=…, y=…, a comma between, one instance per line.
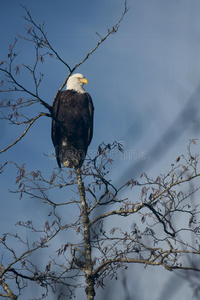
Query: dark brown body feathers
x=72, y=127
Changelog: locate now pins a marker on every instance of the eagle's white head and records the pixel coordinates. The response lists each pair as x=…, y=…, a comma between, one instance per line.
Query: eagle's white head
x=76, y=82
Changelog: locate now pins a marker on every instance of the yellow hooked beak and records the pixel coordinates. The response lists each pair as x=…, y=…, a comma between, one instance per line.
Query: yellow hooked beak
x=83, y=80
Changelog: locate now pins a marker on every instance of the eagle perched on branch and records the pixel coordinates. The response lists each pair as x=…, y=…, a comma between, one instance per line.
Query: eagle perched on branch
x=72, y=124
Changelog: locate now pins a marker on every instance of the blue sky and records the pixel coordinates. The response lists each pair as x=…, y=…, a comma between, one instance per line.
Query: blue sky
x=144, y=80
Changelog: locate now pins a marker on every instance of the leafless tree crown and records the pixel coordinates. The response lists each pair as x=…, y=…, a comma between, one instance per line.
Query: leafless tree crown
x=111, y=227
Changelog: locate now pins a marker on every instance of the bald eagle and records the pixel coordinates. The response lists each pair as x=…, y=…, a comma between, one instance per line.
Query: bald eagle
x=72, y=124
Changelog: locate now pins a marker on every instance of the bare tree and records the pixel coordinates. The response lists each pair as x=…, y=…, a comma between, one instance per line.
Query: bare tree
x=100, y=248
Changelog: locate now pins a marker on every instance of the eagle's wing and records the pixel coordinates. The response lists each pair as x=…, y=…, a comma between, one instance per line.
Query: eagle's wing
x=91, y=117
x=55, y=128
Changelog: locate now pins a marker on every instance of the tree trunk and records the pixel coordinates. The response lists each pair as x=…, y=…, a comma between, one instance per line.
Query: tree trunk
x=88, y=270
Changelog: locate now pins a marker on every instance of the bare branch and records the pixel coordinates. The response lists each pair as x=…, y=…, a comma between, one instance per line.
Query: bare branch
x=7, y=289
x=31, y=122
x=23, y=89
x=42, y=41
x=110, y=31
